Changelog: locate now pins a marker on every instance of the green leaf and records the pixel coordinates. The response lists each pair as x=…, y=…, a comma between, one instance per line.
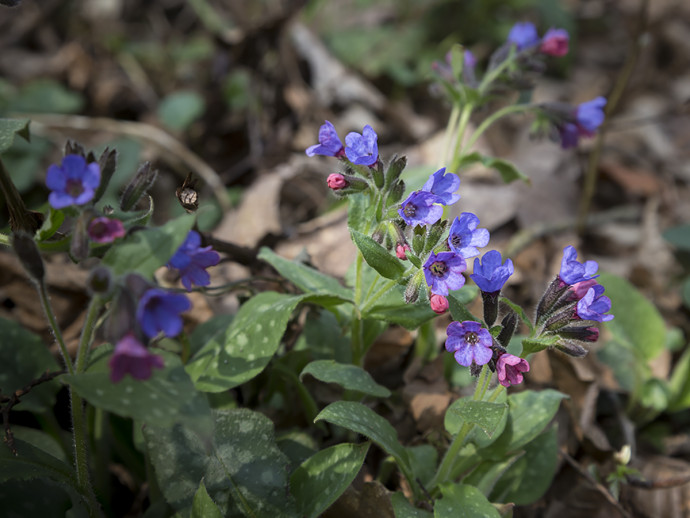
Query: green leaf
x=465, y=501
x=360, y=213
x=457, y=60
x=203, y=506
x=678, y=236
x=361, y=419
x=51, y=224
x=404, y=509
x=350, y=377
x=391, y=308
x=244, y=472
x=305, y=278
x=490, y=419
x=519, y=311
x=241, y=351
x=11, y=127
x=423, y=459
x=168, y=396
x=507, y=170
x=530, y=412
x=486, y=474
x=39, y=497
x=179, y=109
x=534, y=345
x=24, y=358
x=530, y=476
x=458, y=311
x=47, y=96
x=323, y=477
x=378, y=257
x=679, y=384
x=638, y=324
x=147, y=250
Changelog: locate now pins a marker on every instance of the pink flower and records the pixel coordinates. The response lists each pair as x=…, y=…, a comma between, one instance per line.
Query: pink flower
x=132, y=357
x=336, y=181
x=510, y=369
x=105, y=230
x=580, y=289
x=555, y=43
x=401, y=251
x=439, y=304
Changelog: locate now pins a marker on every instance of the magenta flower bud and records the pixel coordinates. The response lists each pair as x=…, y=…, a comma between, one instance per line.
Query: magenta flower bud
x=401, y=251
x=336, y=181
x=555, y=43
x=105, y=230
x=510, y=369
x=132, y=357
x=438, y=303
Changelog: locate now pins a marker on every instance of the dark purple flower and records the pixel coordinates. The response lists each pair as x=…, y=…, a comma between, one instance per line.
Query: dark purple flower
x=555, y=43
x=105, y=230
x=443, y=272
x=443, y=185
x=72, y=183
x=594, y=304
x=510, y=368
x=131, y=356
x=465, y=237
x=159, y=310
x=587, y=117
x=573, y=271
x=420, y=208
x=489, y=274
x=192, y=260
x=470, y=342
x=362, y=149
x=329, y=142
x=523, y=35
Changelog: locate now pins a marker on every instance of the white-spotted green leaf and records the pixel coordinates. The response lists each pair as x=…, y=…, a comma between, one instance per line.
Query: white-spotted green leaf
x=404, y=509
x=465, y=501
x=490, y=418
x=361, y=419
x=147, y=250
x=350, y=377
x=11, y=127
x=423, y=459
x=241, y=351
x=244, y=472
x=323, y=477
x=378, y=257
x=203, y=506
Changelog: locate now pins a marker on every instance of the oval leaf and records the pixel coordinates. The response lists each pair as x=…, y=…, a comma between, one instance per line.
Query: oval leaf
x=11, y=127
x=350, y=377
x=378, y=257
x=465, y=501
x=203, y=506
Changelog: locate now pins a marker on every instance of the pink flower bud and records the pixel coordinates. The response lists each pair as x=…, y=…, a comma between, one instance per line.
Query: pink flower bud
x=401, y=251
x=336, y=181
x=580, y=289
x=555, y=43
x=438, y=303
x=105, y=230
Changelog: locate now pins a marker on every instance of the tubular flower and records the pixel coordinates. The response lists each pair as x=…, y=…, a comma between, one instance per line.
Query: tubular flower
x=132, y=357
x=105, y=230
x=464, y=236
x=555, y=43
x=159, y=310
x=329, y=142
x=523, y=35
x=74, y=182
x=420, y=208
x=573, y=271
x=362, y=149
x=587, y=117
x=489, y=274
x=443, y=272
x=594, y=305
x=192, y=260
x=469, y=342
x=443, y=185
x=510, y=369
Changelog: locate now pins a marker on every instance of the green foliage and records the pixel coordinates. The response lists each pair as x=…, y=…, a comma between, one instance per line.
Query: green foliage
x=203, y=506
x=378, y=257
x=489, y=418
x=404, y=509
x=45, y=96
x=507, y=170
x=11, y=127
x=467, y=500
x=179, y=110
x=350, y=377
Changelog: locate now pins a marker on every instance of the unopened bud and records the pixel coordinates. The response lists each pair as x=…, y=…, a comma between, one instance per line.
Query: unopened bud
x=586, y=334
x=401, y=251
x=336, y=181
x=508, y=324
x=490, y=301
x=28, y=254
x=108, y=164
x=395, y=169
x=438, y=303
x=377, y=174
x=571, y=348
x=79, y=245
x=413, y=286
x=555, y=291
x=395, y=193
x=100, y=281
x=138, y=186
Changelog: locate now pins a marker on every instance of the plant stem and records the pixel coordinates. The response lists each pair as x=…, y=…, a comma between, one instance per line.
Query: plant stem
x=462, y=126
x=451, y=128
x=486, y=123
x=52, y=322
x=87, y=333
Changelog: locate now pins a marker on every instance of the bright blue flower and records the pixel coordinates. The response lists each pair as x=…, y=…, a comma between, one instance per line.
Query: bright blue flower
x=329, y=142
x=590, y=115
x=159, y=310
x=523, y=34
x=443, y=185
x=489, y=274
x=192, y=260
x=72, y=183
x=131, y=356
x=362, y=149
x=594, y=304
x=573, y=271
x=420, y=208
x=443, y=272
x=464, y=236
x=469, y=342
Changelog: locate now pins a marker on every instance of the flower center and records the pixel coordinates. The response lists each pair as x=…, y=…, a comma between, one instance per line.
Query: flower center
x=74, y=187
x=409, y=210
x=472, y=338
x=456, y=240
x=438, y=269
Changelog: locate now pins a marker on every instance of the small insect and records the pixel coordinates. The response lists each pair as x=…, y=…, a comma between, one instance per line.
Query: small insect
x=187, y=195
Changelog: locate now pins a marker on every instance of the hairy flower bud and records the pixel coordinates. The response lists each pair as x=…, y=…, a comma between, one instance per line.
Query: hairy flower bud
x=138, y=186
x=508, y=324
x=401, y=251
x=438, y=303
x=79, y=245
x=395, y=169
x=336, y=181
x=571, y=348
x=100, y=281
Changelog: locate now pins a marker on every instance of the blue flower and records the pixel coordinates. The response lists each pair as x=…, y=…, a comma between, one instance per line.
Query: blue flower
x=362, y=149
x=573, y=271
x=72, y=183
x=329, y=142
x=590, y=115
x=469, y=60
x=469, y=342
x=594, y=304
x=420, y=209
x=465, y=237
x=443, y=272
x=489, y=274
x=131, y=356
x=159, y=310
x=192, y=260
x=443, y=185
x=523, y=35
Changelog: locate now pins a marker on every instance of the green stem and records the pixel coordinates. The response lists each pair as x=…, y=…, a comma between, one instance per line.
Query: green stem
x=486, y=123
x=462, y=126
x=491, y=76
x=52, y=322
x=451, y=128
x=5, y=240
x=87, y=333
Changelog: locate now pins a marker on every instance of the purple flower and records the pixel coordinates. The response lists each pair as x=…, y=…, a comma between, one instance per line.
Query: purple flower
x=587, y=118
x=555, y=43
x=470, y=342
x=72, y=183
x=329, y=142
x=510, y=369
x=419, y=209
x=523, y=34
x=105, y=230
x=159, y=310
x=443, y=272
x=192, y=260
x=465, y=237
x=573, y=271
x=594, y=304
x=132, y=357
x=469, y=60
x=489, y=274
x=443, y=185
x=362, y=149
